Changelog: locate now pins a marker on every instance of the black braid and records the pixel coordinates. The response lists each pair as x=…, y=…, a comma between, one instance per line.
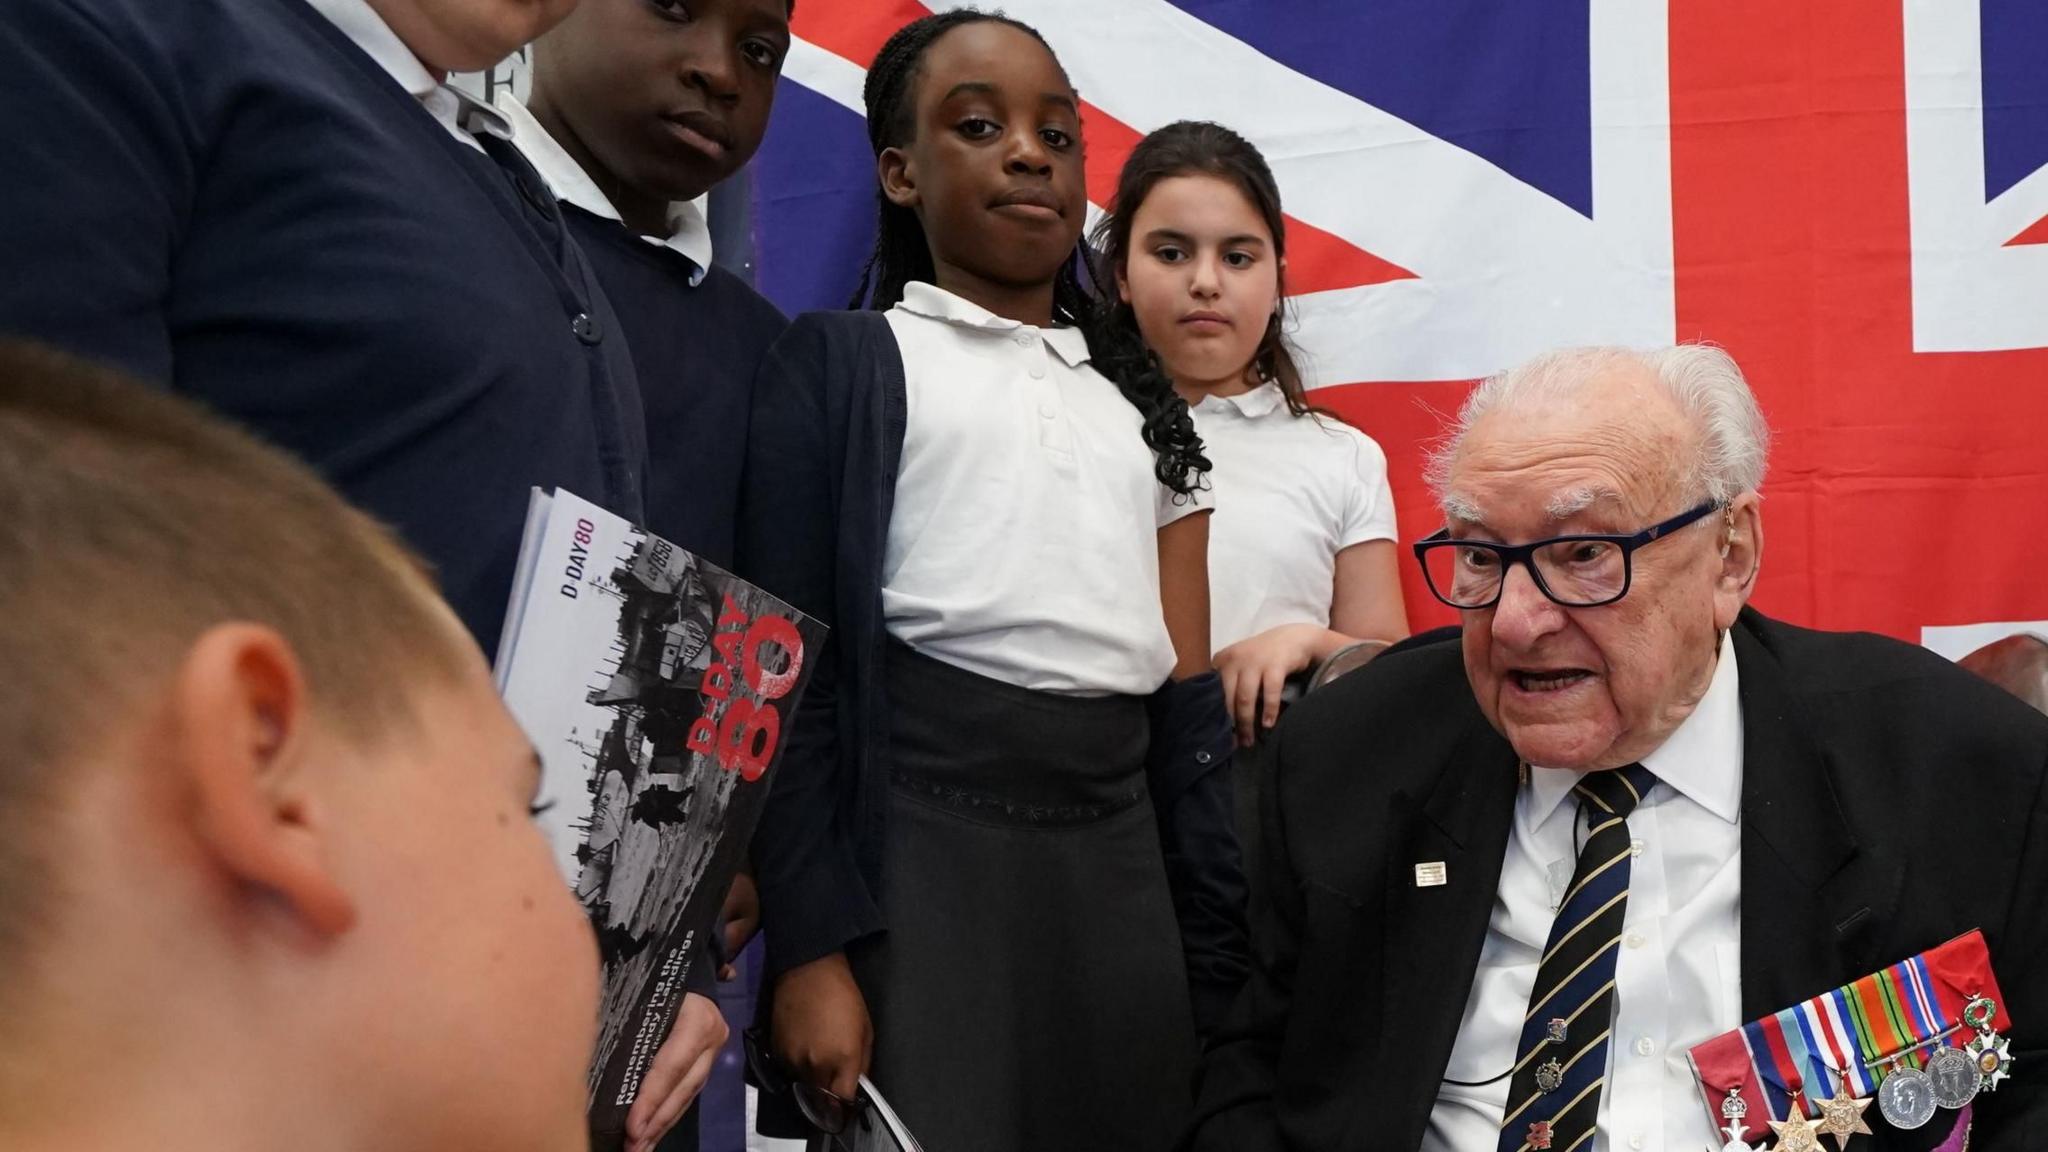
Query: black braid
x=901, y=255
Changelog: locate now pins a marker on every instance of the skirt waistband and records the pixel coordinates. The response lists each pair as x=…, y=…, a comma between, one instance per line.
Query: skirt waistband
x=996, y=753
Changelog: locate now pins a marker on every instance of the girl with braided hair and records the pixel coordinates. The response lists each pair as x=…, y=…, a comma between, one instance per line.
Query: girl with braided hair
x=997, y=865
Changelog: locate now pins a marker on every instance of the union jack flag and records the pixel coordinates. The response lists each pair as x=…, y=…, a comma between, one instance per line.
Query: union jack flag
x=1850, y=195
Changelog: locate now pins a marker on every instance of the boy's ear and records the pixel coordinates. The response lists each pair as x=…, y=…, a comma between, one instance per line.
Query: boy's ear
x=899, y=182
x=1123, y=285
x=240, y=734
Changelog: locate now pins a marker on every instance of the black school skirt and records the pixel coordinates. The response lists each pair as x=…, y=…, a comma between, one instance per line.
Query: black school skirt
x=1030, y=993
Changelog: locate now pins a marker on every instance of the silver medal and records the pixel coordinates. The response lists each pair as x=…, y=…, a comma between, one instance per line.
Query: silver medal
x=1906, y=1097
x=1954, y=1078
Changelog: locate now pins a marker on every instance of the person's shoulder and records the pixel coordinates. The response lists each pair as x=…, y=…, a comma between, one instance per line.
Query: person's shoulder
x=1347, y=447
x=754, y=316
x=844, y=351
x=1407, y=701
x=1899, y=693
x=144, y=32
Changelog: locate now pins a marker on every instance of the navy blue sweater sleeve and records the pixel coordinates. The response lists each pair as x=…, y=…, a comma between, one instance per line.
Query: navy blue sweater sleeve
x=814, y=900
x=1190, y=774
x=99, y=163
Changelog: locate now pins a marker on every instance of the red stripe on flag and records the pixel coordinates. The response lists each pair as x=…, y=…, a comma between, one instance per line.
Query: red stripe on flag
x=854, y=31
x=2035, y=233
x=1316, y=260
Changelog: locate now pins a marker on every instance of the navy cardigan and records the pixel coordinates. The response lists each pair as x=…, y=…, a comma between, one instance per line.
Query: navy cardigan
x=824, y=448
x=229, y=198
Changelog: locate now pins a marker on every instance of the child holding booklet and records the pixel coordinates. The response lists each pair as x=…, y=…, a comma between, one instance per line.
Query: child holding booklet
x=963, y=882
x=637, y=111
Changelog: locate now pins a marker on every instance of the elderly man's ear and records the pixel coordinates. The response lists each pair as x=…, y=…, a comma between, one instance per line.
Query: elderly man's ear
x=1742, y=553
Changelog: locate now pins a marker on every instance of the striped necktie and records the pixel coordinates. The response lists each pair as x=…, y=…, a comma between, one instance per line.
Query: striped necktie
x=1561, y=1060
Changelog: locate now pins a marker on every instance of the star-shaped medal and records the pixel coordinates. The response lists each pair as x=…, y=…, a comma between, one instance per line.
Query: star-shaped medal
x=1841, y=1116
x=1993, y=1054
x=1797, y=1134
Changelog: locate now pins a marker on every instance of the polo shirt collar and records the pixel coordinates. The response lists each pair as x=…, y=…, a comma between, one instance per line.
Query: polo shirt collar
x=689, y=230
x=1702, y=759
x=454, y=108
x=935, y=303
x=1263, y=400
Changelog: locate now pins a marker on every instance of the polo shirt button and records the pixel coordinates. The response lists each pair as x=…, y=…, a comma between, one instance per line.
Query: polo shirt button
x=586, y=328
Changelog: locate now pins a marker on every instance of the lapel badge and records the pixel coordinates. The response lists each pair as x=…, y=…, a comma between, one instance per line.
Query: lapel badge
x=1432, y=875
x=1539, y=1135
x=1556, y=1030
x=1549, y=1076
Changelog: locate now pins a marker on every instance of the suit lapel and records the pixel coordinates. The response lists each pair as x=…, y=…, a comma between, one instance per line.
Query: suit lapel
x=1434, y=934
x=1811, y=900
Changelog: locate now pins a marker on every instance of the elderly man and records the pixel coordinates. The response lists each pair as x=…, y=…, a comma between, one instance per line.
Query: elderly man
x=1508, y=882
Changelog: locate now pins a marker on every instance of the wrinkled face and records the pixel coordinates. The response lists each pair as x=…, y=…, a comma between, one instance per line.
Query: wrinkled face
x=993, y=169
x=1202, y=277
x=670, y=96
x=469, y=35
x=1592, y=688
x=475, y=971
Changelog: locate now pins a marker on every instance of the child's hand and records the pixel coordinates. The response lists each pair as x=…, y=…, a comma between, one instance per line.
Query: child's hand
x=1254, y=669
x=822, y=1029
x=741, y=918
x=678, y=1072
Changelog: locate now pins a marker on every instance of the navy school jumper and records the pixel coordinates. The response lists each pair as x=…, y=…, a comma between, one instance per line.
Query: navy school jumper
x=823, y=455
x=230, y=198
x=697, y=350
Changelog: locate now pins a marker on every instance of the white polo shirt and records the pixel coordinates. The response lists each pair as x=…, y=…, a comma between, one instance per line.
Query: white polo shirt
x=1297, y=490
x=689, y=230
x=1023, y=545
x=455, y=110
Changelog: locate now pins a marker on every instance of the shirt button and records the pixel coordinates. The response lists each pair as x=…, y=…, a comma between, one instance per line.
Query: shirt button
x=586, y=328
x=1038, y=371
x=1636, y=1141
x=1633, y=940
x=1203, y=757
x=1635, y=847
x=1046, y=410
x=1023, y=339
x=1643, y=1046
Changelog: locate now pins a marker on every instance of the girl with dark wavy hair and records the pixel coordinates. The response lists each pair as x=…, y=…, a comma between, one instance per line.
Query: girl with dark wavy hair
x=1301, y=554
x=997, y=866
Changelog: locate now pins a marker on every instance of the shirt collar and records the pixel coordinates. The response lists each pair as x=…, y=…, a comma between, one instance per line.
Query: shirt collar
x=455, y=109
x=1263, y=400
x=1702, y=760
x=689, y=232
x=935, y=303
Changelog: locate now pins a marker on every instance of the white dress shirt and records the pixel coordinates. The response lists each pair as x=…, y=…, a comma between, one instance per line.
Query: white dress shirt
x=1678, y=978
x=689, y=231
x=1024, y=540
x=1298, y=490
x=455, y=110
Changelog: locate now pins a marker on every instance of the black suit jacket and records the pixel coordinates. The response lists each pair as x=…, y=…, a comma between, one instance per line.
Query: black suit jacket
x=1890, y=801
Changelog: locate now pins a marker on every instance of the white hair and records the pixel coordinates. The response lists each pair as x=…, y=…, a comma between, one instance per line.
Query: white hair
x=1732, y=443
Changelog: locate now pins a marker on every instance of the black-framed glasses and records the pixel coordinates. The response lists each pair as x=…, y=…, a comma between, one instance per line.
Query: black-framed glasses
x=827, y=1111
x=1583, y=570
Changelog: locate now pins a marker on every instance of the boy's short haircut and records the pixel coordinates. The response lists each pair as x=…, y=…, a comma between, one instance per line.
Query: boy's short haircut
x=131, y=521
